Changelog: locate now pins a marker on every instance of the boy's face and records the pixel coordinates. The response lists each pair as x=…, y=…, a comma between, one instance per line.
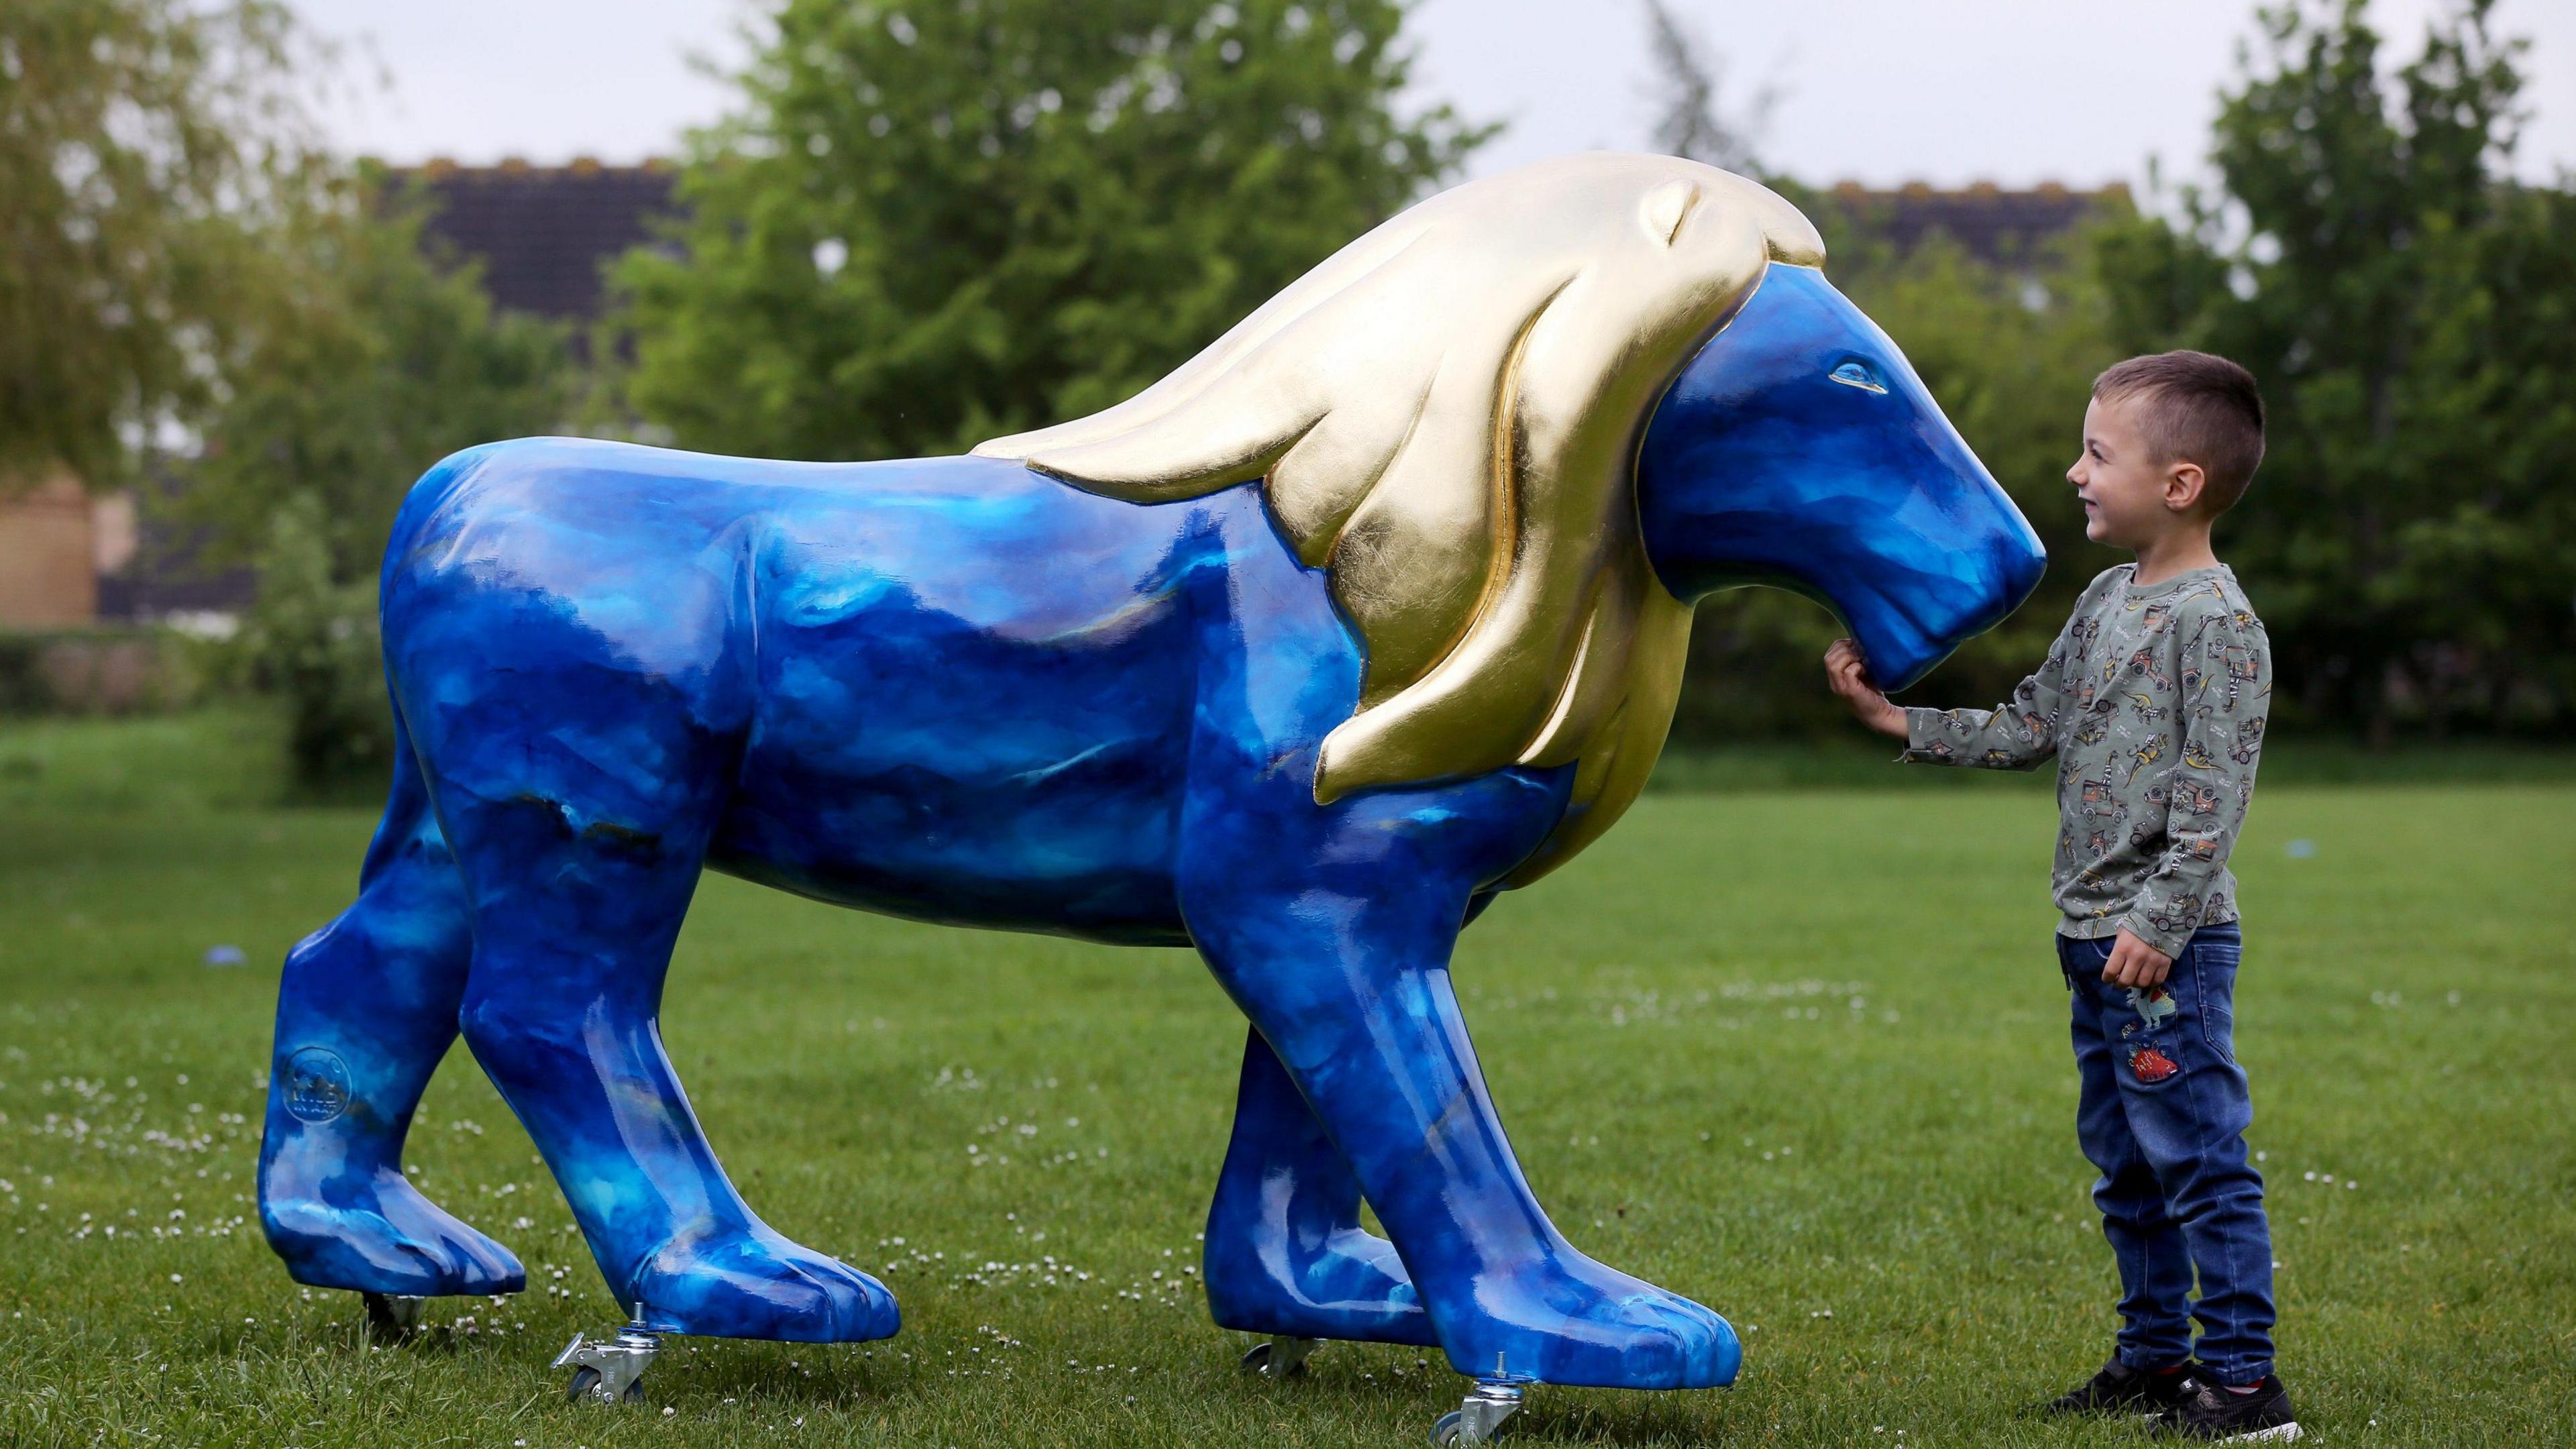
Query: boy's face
x=2130, y=497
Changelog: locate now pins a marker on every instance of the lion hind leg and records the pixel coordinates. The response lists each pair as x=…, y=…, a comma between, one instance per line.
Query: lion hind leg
x=366, y=1008
x=580, y=878
x=1286, y=1254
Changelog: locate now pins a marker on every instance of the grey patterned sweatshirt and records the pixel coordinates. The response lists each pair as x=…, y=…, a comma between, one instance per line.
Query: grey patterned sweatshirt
x=2153, y=700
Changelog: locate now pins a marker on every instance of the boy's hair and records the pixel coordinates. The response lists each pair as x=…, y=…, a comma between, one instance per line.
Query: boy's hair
x=2197, y=407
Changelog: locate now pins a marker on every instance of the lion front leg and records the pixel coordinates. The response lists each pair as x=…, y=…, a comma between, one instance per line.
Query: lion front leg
x=1332, y=928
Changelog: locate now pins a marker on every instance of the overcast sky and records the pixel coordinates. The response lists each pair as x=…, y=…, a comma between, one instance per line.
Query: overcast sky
x=1879, y=91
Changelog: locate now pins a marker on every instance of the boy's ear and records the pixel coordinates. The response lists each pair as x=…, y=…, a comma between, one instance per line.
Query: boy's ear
x=2184, y=485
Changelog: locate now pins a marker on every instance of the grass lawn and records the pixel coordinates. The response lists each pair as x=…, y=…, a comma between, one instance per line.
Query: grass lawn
x=1798, y=1054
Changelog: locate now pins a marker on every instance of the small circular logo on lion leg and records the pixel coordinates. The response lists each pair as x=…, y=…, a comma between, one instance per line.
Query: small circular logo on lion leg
x=317, y=1085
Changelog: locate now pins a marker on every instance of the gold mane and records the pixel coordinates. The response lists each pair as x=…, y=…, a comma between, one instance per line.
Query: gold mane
x=1446, y=413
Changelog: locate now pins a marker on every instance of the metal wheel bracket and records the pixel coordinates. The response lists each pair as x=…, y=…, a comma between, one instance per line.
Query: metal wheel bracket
x=610, y=1370
x=1480, y=1418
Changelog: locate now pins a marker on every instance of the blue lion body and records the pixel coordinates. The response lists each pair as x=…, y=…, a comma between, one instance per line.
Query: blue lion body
x=962, y=691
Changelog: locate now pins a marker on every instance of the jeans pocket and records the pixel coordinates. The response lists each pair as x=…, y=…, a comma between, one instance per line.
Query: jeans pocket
x=2213, y=989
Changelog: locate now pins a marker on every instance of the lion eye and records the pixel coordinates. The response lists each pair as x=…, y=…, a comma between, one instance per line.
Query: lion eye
x=1857, y=374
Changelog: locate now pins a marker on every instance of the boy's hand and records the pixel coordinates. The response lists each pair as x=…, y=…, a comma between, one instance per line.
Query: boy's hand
x=1847, y=672
x=2135, y=963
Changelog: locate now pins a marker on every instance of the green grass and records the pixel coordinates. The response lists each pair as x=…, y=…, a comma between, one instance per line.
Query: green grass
x=1796, y=1054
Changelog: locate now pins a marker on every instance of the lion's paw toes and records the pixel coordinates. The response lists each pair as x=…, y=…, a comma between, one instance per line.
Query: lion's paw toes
x=384, y=1237
x=753, y=1283
x=1575, y=1321
x=1354, y=1289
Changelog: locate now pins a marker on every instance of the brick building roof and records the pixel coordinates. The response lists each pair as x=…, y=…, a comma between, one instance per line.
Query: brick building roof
x=1988, y=222
x=544, y=232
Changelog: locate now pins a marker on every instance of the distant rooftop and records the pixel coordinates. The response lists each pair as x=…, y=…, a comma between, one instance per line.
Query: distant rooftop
x=1987, y=221
x=543, y=232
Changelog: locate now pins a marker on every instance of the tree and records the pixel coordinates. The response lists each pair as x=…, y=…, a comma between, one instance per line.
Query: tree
x=1687, y=79
x=373, y=353
x=135, y=138
x=2411, y=313
x=930, y=224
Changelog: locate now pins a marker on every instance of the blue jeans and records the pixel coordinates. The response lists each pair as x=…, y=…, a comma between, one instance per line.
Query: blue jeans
x=2163, y=1114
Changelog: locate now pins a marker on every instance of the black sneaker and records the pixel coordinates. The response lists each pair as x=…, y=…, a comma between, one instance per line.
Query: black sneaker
x=2120, y=1389
x=2210, y=1414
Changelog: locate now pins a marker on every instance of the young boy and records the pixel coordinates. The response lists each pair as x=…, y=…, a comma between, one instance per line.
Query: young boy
x=2153, y=700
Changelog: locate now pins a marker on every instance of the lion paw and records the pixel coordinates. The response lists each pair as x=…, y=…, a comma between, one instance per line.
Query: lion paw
x=382, y=1236
x=1353, y=1288
x=1570, y=1320
x=750, y=1282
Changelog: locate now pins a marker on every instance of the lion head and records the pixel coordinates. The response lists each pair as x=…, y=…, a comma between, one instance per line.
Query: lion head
x=1446, y=414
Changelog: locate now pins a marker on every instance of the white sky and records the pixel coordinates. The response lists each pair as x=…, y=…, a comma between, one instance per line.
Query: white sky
x=1880, y=91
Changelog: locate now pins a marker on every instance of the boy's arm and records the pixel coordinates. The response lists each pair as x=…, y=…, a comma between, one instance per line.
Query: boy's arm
x=2015, y=735
x=2226, y=679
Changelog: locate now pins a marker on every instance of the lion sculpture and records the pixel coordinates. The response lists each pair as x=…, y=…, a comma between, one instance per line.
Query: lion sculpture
x=1373, y=609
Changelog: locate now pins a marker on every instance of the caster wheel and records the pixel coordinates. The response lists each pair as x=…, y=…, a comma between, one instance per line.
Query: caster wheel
x=1480, y=1419
x=1258, y=1359
x=391, y=1318
x=585, y=1384
x=609, y=1371
x=1278, y=1357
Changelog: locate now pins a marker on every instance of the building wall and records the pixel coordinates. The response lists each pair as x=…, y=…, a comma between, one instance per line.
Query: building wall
x=49, y=557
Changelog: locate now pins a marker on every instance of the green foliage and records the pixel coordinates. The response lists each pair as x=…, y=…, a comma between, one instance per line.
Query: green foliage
x=135, y=135
x=376, y=355
x=313, y=644
x=931, y=224
x=373, y=357
x=2411, y=313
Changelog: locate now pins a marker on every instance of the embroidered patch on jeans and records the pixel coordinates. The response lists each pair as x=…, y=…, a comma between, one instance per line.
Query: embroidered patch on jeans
x=2152, y=1003
x=2151, y=1066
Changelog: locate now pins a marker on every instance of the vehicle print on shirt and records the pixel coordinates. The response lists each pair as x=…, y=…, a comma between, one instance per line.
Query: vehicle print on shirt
x=2195, y=797
x=2096, y=799
x=2144, y=706
x=2243, y=663
x=2248, y=742
x=2177, y=917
